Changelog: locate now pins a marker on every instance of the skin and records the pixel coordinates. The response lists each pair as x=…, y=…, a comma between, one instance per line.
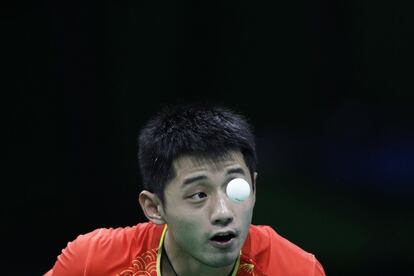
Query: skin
x=195, y=211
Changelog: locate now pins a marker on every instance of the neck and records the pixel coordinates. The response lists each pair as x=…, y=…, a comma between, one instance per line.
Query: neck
x=180, y=264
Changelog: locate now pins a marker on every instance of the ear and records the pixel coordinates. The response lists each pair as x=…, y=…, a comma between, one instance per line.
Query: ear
x=254, y=181
x=254, y=185
x=151, y=206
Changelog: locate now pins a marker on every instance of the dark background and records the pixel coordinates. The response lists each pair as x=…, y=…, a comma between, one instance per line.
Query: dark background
x=327, y=85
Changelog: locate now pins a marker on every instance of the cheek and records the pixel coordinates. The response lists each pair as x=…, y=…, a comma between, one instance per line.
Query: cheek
x=246, y=213
x=185, y=223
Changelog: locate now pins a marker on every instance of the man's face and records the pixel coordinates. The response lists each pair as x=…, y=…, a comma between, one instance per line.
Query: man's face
x=198, y=211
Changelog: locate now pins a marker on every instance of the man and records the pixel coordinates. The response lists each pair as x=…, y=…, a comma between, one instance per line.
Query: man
x=188, y=155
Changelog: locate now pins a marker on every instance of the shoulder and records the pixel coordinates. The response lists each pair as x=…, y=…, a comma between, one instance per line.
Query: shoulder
x=102, y=248
x=264, y=239
x=273, y=253
x=112, y=238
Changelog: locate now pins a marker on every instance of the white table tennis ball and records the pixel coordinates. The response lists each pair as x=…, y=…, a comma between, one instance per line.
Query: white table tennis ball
x=238, y=190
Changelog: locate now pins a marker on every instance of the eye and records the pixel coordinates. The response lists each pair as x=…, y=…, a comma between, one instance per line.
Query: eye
x=198, y=196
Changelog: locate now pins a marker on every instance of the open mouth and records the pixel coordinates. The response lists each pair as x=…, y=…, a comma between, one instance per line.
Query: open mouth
x=223, y=238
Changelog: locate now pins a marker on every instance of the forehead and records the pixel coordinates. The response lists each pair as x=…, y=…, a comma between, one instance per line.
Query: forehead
x=188, y=164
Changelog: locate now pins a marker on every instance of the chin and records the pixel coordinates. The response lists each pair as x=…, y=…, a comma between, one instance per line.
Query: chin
x=222, y=261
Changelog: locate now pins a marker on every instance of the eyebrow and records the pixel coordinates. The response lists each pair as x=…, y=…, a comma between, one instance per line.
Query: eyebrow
x=236, y=170
x=196, y=178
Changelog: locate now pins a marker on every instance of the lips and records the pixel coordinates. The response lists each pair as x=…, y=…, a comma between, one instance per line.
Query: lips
x=223, y=239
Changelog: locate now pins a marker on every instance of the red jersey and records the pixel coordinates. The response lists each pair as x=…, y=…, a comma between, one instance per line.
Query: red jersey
x=137, y=251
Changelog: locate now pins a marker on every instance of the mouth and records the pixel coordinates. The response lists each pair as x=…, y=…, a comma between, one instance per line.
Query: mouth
x=223, y=239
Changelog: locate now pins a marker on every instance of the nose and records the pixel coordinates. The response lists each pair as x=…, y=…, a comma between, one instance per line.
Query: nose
x=221, y=214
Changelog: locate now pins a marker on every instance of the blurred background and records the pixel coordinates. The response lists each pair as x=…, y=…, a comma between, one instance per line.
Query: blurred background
x=327, y=85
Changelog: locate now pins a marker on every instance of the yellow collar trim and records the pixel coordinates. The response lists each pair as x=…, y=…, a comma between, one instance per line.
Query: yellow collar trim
x=159, y=254
x=159, y=251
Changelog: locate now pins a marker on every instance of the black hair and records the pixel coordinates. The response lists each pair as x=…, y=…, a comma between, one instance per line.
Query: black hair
x=205, y=131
